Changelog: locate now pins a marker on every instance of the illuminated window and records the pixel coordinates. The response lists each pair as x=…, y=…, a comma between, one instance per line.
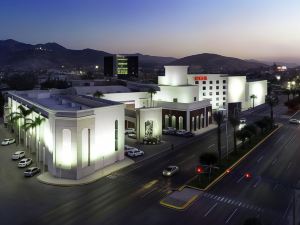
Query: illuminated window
x=174, y=121
x=167, y=121
x=116, y=135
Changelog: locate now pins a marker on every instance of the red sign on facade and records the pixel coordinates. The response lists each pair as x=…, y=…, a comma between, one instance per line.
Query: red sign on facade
x=200, y=78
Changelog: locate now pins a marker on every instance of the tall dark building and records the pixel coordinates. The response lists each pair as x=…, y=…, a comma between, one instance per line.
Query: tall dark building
x=122, y=66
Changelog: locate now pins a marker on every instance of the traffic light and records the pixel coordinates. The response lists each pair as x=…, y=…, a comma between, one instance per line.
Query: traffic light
x=199, y=170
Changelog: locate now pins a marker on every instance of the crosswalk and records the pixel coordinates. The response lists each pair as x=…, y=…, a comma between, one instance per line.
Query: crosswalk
x=233, y=202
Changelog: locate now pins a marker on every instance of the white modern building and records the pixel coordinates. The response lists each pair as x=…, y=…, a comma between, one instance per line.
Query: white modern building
x=224, y=91
x=79, y=134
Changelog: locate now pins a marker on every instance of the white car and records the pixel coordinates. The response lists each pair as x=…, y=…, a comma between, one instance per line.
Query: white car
x=134, y=153
x=132, y=135
x=24, y=162
x=31, y=171
x=130, y=131
x=8, y=141
x=181, y=132
x=294, y=121
x=18, y=155
x=170, y=171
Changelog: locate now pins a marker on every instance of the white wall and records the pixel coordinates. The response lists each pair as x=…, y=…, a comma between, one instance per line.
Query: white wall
x=174, y=76
x=184, y=94
x=259, y=89
x=236, y=90
x=140, y=99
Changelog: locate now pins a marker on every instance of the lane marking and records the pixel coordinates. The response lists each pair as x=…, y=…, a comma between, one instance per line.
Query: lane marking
x=239, y=180
x=211, y=146
x=260, y=158
x=211, y=209
x=288, y=209
x=256, y=183
x=231, y=215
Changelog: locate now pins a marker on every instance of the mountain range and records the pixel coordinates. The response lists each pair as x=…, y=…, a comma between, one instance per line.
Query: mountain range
x=20, y=56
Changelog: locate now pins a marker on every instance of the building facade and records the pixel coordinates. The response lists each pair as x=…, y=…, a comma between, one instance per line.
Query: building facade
x=79, y=135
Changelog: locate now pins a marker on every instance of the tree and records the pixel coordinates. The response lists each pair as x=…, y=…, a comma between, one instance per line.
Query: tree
x=235, y=122
x=252, y=221
x=250, y=131
x=242, y=135
x=209, y=160
x=219, y=118
x=268, y=121
x=253, y=97
x=26, y=81
x=1, y=104
x=98, y=94
x=261, y=124
x=152, y=92
x=34, y=124
x=22, y=114
x=288, y=93
x=272, y=101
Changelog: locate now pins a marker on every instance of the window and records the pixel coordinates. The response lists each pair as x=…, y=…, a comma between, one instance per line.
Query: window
x=224, y=92
x=116, y=135
x=196, y=82
x=174, y=99
x=224, y=98
x=217, y=99
x=224, y=103
x=224, y=87
x=210, y=93
x=174, y=121
x=210, y=87
x=217, y=87
x=224, y=81
x=195, y=99
x=203, y=82
x=217, y=82
x=217, y=104
x=66, y=151
x=204, y=88
x=167, y=121
x=180, y=122
x=86, y=147
x=210, y=82
x=217, y=93
x=204, y=94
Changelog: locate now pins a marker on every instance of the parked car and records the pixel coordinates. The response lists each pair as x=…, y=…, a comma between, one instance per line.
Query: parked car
x=18, y=155
x=169, y=130
x=188, y=134
x=242, y=123
x=129, y=131
x=31, y=171
x=294, y=121
x=180, y=132
x=8, y=141
x=134, y=153
x=150, y=140
x=24, y=162
x=170, y=171
x=132, y=135
x=129, y=148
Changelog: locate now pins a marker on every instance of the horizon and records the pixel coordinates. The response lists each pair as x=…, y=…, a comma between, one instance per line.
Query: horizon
x=264, y=31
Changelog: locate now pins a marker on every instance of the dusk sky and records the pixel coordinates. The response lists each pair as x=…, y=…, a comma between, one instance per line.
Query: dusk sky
x=260, y=29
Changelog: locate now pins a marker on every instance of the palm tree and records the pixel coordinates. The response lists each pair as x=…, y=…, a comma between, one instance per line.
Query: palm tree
x=98, y=94
x=288, y=93
x=209, y=160
x=235, y=122
x=152, y=92
x=34, y=124
x=253, y=97
x=272, y=101
x=22, y=114
x=219, y=118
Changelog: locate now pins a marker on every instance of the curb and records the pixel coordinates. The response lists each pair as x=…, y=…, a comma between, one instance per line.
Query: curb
x=66, y=185
x=185, y=206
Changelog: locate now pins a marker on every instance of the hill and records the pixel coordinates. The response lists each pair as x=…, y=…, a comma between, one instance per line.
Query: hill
x=213, y=63
x=20, y=56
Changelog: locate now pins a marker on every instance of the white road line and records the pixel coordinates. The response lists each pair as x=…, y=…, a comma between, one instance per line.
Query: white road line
x=239, y=180
x=211, y=146
x=287, y=209
x=260, y=158
x=211, y=209
x=231, y=215
x=256, y=183
x=274, y=161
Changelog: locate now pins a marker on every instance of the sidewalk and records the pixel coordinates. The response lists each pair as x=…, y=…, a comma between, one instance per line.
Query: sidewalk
x=47, y=178
x=181, y=199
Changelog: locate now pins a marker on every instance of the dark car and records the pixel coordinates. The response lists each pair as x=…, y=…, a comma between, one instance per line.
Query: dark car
x=188, y=134
x=150, y=141
x=31, y=171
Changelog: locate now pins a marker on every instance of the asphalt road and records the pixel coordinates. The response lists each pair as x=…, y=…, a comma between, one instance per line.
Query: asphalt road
x=131, y=196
